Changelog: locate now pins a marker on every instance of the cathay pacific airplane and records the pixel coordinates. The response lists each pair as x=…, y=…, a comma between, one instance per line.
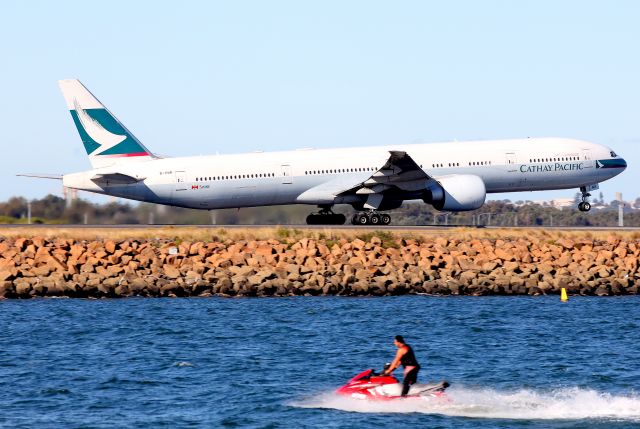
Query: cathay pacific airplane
x=454, y=176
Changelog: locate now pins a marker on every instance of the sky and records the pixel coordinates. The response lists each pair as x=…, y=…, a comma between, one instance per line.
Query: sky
x=191, y=78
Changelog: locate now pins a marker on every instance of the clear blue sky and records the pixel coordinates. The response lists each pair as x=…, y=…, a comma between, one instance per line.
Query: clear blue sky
x=203, y=77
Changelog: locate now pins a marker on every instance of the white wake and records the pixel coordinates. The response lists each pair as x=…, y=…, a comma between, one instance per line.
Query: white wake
x=526, y=404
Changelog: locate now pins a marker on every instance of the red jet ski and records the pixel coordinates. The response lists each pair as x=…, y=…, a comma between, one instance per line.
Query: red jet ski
x=371, y=385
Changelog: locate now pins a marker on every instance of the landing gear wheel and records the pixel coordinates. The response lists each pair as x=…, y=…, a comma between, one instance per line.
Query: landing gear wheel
x=584, y=206
x=370, y=218
x=363, y=219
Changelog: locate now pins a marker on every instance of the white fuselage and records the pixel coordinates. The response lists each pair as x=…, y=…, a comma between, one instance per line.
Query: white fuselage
x=260, y=179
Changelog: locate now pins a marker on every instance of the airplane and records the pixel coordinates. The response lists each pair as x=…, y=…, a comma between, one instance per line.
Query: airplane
x=451, y=176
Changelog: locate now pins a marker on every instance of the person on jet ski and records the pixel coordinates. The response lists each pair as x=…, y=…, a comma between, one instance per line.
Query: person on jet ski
x=407, y=359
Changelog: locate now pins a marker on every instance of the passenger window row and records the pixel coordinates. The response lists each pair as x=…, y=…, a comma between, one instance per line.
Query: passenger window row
x=474, y=163
x=340, y=170
x=236, y=176
x=450, y=164
x=457, y=164
x=562, y=158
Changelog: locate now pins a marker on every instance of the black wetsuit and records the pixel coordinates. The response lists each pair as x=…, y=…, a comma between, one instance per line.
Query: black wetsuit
x=409, y=359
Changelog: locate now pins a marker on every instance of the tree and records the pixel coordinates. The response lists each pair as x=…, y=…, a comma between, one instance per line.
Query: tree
x=16, y=207
x=49, y=207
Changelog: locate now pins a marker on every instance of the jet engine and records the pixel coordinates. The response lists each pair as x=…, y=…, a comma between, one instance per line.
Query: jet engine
x=456, y=193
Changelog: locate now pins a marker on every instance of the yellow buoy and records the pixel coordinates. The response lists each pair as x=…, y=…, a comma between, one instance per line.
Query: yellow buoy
x=563, y=295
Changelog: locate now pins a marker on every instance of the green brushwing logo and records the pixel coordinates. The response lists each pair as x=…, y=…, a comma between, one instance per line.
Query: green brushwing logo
x=102, y=134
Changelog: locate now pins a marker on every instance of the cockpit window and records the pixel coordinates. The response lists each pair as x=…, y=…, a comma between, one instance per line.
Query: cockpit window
x=613, y=154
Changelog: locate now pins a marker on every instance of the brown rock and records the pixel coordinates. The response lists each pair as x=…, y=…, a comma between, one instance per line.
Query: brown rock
x=109, y=246
x=489, y=266
x=243, y=270
x=20, y=243
x=87, y=268
x=376, y=241
x=357, y=244
x=110, y=271
x=564, y=260
x=603, y=272
x=22, y=287
x=503, y=254
x=467, y=264
x=468, y=276
x=264, y=250
x=502, y=280
x=257, y=278
x=604, y=256
x=6, y=274
x=6, y=288
x=566, y=243
x=545, y=267
x=171, y=271
x=41, y=271
x=137, y=285
x=510, y=266
x=621, y=251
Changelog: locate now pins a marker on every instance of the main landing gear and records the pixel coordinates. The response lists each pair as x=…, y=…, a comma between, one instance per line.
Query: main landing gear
x=584, y=206
x=370, y=218
x=326, y=217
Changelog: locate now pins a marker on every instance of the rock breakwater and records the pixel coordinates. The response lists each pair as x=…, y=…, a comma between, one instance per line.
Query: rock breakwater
x=101, y=268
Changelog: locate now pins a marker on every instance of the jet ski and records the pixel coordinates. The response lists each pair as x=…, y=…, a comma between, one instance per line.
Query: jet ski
x=373, y=386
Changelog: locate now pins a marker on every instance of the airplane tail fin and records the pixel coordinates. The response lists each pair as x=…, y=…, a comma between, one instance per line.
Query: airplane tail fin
x=105, y=139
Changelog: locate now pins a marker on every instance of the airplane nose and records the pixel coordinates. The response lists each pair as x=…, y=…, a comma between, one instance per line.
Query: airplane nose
x=619, y=165
x=623, y=164
x=616, y=164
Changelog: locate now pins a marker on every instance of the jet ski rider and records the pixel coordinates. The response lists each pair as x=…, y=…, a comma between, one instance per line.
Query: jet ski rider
x=407, y=359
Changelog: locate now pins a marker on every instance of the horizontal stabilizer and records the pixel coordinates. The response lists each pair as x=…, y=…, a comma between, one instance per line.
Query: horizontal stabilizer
x=115, y=179
x=41, y=176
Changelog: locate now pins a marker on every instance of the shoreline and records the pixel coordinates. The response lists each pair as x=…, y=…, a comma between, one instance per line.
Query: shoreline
x=175, y=262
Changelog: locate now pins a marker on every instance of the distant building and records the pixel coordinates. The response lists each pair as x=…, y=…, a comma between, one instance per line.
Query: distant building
x=559, y=203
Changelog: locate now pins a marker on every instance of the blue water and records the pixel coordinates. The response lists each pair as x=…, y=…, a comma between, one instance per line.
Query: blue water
x=212, y=362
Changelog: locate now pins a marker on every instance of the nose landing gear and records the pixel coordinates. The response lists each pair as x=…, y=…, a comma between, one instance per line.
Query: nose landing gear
x=370, y=218
x=584, y=206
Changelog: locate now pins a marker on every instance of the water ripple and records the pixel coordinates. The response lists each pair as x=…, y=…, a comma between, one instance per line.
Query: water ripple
x=514, y=362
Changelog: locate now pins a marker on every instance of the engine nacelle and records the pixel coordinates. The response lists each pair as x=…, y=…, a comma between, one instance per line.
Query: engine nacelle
x=456, y=193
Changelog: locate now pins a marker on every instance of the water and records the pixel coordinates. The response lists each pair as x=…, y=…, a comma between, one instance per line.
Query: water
x=514, y=362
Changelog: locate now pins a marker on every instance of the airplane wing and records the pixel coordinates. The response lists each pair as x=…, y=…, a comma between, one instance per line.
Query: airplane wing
x=400, y=171
x=400, y=175
x=41, y=176
x=115, y=179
